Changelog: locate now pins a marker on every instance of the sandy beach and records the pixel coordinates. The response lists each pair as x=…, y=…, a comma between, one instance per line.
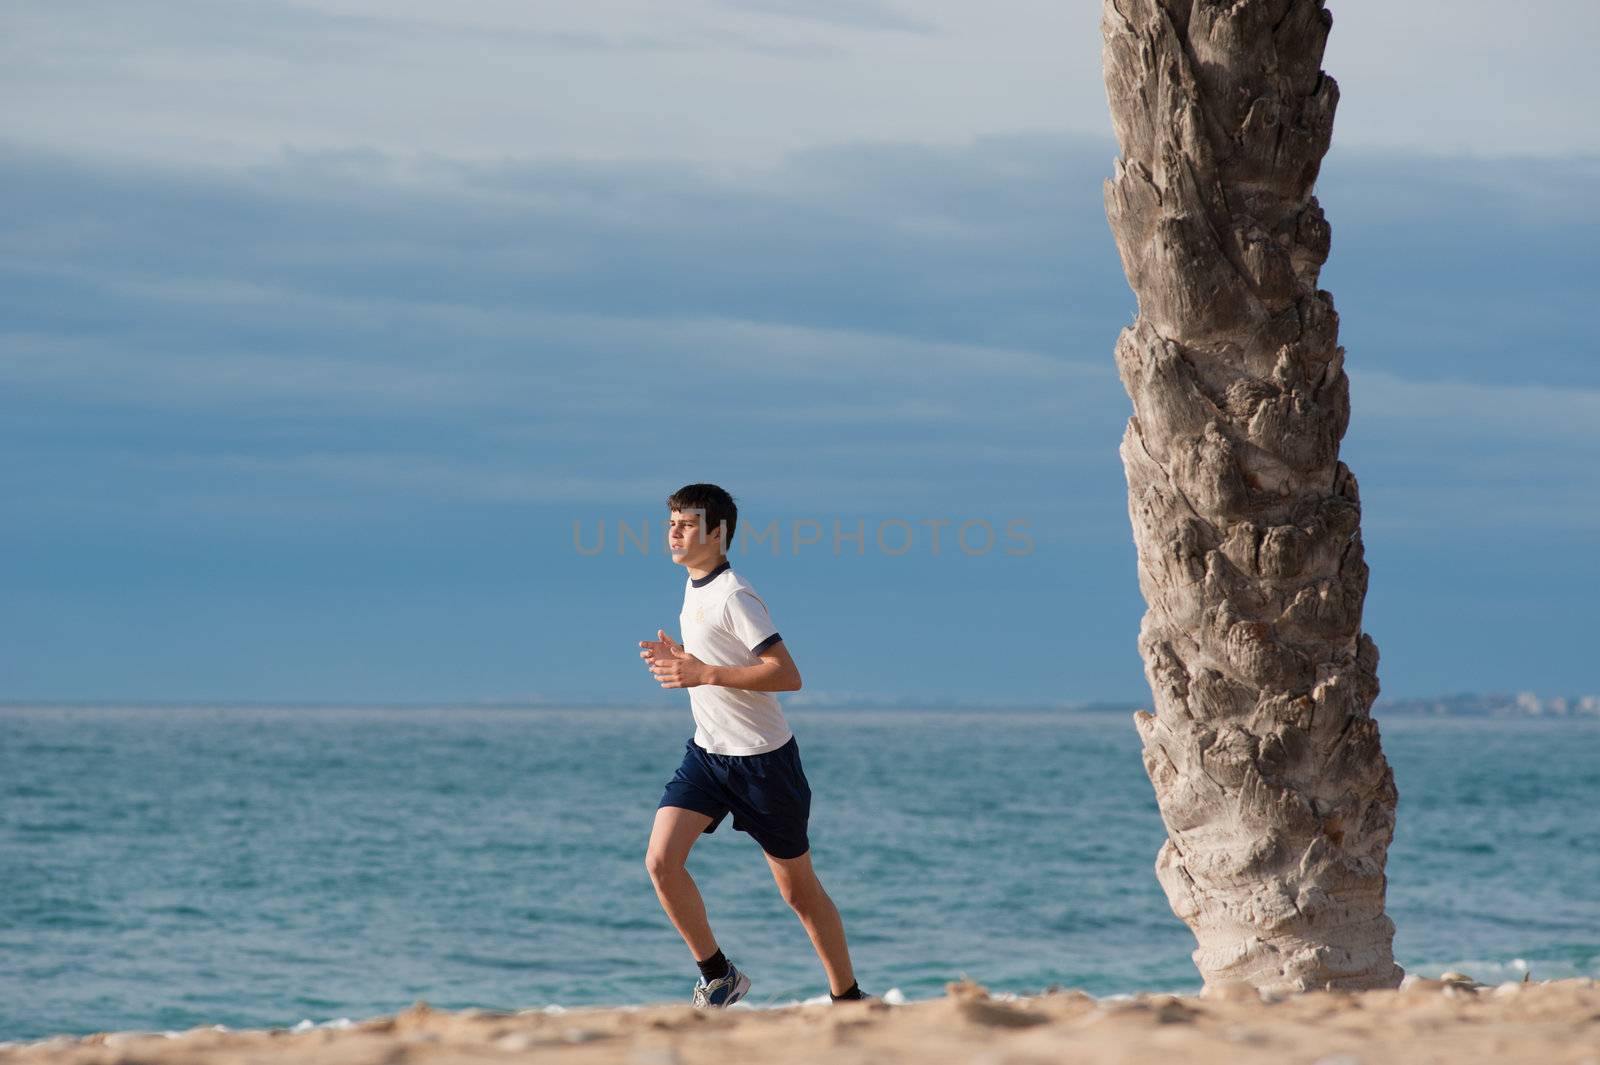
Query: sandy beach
x=1548, y=1023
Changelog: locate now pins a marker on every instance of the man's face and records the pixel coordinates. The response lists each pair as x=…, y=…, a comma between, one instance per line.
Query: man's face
x=687, y=542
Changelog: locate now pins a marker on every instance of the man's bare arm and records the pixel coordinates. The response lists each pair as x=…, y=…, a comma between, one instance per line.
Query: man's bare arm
x=776, y=673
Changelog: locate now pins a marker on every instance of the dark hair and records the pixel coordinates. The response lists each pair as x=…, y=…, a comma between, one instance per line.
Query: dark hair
x=712, y=502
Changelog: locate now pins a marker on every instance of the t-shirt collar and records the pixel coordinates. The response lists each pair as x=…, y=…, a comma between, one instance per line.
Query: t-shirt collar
x=701, y=582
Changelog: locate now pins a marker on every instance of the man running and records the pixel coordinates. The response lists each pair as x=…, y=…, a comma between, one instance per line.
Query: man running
x=742, y=759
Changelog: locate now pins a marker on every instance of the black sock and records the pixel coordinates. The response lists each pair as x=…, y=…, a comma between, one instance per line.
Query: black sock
x=851, y=992
x=714, y=967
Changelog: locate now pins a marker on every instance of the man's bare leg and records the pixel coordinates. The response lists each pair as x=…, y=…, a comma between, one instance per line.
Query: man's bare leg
x=801, y=889
x=674, y=833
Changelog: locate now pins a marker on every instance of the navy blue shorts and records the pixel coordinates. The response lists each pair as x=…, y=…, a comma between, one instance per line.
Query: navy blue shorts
x=767, y=794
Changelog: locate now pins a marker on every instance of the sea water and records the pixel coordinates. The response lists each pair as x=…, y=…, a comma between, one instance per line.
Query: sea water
x=166, y=868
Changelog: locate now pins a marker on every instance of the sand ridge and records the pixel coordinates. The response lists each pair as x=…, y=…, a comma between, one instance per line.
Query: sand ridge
x=1428, y=1021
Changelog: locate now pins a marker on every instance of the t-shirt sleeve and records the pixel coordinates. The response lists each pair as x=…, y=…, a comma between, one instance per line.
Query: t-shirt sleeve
x=749, y=620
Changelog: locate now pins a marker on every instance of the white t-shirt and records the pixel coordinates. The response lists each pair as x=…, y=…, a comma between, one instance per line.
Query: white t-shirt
x=726, y=624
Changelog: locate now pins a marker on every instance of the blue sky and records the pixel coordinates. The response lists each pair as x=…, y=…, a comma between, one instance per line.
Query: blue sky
x=324, y=322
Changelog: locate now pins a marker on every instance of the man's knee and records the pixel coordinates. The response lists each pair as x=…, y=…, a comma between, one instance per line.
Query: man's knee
x=660, y=864
x=802, y=895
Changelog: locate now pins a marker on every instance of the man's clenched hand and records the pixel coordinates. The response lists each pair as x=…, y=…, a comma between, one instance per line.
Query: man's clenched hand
x=671, y=664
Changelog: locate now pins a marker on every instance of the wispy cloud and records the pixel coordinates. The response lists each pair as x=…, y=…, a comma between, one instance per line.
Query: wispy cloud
x=900, y=318
x=195, y=82
x=418, y=474
x=863, y=14
x=1453, y=413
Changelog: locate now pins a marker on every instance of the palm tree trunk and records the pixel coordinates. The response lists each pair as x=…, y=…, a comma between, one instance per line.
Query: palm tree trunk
x=1278, y=802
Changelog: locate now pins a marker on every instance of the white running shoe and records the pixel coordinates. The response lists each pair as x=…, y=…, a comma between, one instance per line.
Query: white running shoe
x=722, y=992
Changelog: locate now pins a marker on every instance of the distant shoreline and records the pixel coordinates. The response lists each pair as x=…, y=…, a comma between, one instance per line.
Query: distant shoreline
x=1500, y=705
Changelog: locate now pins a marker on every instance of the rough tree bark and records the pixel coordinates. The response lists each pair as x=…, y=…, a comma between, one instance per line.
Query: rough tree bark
x=1278, y=802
